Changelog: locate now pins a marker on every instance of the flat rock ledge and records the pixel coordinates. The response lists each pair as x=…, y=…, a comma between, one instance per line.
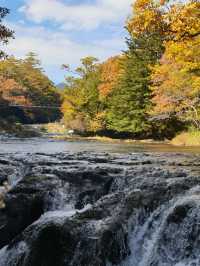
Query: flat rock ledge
x=89, y=209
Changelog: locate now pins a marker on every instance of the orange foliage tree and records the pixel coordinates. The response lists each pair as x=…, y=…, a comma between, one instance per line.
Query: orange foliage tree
x=176, y=78
x=13, y=92
x=110, y=72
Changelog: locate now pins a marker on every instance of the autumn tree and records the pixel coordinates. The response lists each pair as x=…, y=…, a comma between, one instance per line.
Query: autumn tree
x=168, y=31
x=150, y=87
x=5, y=35
x=154, y=22
x=87, y=92
x=81, y=100
x=147, y=27
x=176, y=79
x=110, y=73
x=24, y=83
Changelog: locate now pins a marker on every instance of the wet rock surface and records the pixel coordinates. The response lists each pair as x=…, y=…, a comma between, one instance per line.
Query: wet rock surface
x=89, y=209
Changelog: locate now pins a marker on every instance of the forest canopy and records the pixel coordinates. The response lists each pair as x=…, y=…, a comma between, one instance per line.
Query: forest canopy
x=152, y=89
x=24, y=83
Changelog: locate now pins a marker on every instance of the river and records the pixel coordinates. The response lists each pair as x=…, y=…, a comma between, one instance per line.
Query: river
x=90, y=203
x=48, y=145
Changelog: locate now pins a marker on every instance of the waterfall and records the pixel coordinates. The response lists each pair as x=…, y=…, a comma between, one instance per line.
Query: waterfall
x=135, y=212
x=8, y=256
x=163, y=239
x=13, y=256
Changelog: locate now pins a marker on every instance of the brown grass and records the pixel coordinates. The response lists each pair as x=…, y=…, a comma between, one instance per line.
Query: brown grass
x=187, y=139
x=55, y=128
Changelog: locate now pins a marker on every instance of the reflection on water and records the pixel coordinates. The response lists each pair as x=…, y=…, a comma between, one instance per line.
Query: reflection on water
x=44, y=145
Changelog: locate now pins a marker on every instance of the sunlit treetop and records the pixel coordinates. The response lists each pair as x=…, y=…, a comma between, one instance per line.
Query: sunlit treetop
x=171, y=20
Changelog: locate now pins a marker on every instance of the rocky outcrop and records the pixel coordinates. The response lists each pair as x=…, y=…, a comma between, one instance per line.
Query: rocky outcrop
x=100, y=210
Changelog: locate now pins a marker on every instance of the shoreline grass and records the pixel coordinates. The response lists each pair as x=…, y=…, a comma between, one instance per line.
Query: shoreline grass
x=191, y=138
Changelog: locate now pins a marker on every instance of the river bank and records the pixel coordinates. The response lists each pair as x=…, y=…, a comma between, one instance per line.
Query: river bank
x=18, y=130
x=57, y=131
x=190, y=138
x=182, y=140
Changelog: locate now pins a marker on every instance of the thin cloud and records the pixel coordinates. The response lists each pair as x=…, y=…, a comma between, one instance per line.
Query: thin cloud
x=79, y=16
x=49, y=28
x=54, y=48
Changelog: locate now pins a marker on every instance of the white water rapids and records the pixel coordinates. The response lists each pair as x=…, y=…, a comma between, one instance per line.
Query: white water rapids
x=162, y=231
x=146, y=240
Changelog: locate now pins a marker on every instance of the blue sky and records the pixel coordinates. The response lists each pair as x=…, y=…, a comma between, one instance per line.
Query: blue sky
x=63, y=31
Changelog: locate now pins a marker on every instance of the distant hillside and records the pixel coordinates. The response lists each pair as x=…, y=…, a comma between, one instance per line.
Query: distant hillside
x=61, y=85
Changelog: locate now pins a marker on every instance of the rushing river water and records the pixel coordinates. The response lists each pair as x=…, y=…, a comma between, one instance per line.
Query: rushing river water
x=89, y=203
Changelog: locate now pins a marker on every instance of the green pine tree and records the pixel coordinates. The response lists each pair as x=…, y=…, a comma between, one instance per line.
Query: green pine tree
x=130, y=100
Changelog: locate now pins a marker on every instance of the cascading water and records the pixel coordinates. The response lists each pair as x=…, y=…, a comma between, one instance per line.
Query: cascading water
x=137, y=210
x=169, y=236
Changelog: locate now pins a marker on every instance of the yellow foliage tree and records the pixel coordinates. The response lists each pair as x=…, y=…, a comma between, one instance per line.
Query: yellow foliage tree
x=147, y=18
x=176, y=79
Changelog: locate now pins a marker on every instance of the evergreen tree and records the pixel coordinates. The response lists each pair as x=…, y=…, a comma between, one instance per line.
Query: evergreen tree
x=131, y=98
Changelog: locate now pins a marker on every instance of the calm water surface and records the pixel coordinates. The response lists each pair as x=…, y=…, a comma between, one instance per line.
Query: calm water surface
x=44, y=145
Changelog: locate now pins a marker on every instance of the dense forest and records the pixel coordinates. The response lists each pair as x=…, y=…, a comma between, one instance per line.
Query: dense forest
x=150, y=90
x=24, y=83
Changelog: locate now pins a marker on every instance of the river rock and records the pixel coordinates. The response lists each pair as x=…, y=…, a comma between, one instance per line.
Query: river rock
x=103, y=210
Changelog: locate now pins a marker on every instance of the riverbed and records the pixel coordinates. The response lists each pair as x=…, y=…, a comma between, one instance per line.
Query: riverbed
x=89, y=203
